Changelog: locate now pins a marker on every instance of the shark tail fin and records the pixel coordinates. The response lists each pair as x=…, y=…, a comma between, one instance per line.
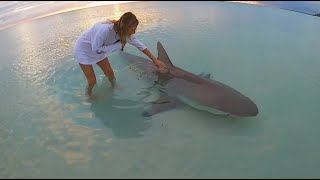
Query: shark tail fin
x=162, y=55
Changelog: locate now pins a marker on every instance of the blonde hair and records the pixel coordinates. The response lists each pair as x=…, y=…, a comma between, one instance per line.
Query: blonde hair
x=121, y=26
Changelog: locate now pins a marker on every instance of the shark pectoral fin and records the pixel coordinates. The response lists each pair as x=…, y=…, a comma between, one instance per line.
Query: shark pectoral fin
x=160, y=105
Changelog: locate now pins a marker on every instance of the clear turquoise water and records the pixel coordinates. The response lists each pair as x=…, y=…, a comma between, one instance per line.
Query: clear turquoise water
x=49, y=130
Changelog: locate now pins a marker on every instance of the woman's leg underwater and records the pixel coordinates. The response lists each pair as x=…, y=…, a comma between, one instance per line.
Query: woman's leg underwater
x=91, y=77
x=107, y=70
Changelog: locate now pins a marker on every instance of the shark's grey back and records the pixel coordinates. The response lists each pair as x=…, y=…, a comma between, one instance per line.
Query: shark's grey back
x=208, y=91
x=201, y=89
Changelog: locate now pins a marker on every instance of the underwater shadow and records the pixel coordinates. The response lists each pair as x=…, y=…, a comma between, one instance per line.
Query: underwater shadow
x=122, y=116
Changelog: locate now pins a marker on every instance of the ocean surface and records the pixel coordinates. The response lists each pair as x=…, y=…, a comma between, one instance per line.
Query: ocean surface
x=48, y=129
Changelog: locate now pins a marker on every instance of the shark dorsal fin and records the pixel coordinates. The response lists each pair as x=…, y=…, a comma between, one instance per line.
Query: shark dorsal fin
x=162, y=55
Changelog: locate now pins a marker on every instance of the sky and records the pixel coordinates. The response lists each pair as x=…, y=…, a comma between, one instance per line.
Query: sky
x=14, y=12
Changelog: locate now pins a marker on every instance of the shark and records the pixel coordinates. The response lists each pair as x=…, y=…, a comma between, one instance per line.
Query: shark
x=179, y=87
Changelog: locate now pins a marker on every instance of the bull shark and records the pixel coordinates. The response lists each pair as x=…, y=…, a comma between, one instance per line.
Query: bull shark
x=179, y=87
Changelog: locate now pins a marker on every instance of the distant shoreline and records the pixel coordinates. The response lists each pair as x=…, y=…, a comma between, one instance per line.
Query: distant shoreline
x=301, y=12
x=261, y=4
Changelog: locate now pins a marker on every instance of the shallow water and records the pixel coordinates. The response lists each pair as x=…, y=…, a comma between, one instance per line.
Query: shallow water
x=49, y=130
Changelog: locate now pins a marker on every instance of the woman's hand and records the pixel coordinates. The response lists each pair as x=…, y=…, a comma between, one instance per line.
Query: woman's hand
x=160, y=65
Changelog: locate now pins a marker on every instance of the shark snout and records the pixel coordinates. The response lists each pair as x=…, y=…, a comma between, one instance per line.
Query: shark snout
x=239, y=106
x=253, y=110
x=248, y=109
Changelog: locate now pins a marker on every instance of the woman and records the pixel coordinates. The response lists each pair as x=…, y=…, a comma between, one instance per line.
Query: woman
x=93, y=46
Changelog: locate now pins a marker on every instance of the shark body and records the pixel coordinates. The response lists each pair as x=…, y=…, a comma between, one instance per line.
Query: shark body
x=182, y=87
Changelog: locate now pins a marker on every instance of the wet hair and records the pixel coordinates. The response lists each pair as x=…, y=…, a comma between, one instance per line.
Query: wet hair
x=122, y=25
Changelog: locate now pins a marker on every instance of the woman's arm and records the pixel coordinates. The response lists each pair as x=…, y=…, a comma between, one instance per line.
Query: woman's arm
x=149, y=54
x=135, y=42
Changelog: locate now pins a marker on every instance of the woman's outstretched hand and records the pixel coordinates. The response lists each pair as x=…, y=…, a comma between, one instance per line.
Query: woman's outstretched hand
x=160, y=65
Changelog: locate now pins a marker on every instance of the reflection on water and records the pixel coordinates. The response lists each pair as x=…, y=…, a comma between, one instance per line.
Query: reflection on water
x=68, y=140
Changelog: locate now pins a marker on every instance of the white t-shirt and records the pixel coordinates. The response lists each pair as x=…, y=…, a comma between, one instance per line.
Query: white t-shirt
x=96, y=43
